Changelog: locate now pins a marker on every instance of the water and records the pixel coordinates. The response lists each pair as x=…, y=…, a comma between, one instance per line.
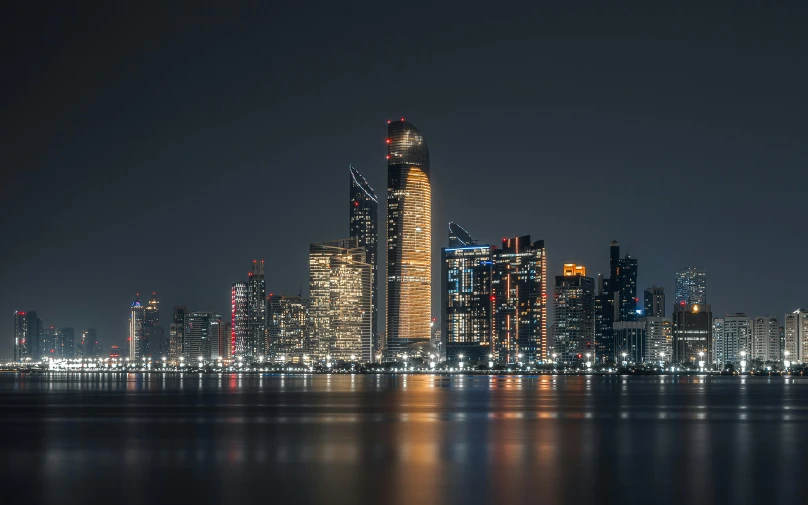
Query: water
x=417, y=439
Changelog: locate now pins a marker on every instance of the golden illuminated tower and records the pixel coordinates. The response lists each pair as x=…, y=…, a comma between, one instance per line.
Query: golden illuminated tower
x=409, y=239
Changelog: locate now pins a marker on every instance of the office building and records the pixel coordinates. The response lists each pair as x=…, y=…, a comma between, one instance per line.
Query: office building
x=796, y=336
x=520, y=301
x=692, y=334
x=659, y=339
x=240, y=319
x=289, y=329
x=201, y=329
x=67, y=342
x=257, y=311
x=409, y=239
x=630, y=341
x=736, y=338
x=153, y=334
x=573, y=314
x=616, y=300
x=765, y=339
x=654, y=302
x=340, y=301
x=466, y=323
x=718, y=343
x=136, y=316
x=363, y=227
x=176, y=332
x=691, y=286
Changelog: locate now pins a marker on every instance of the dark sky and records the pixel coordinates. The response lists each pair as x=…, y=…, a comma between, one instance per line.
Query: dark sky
x=157, y=148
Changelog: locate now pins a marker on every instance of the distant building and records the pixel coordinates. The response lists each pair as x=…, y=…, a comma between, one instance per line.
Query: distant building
x=409, y=239
x=114, y=351
x=199, y=329
x=654, y=302
x=67, y=343
x=467, y=318
x=796, y=336
x=630, y=341
x=616, y=300
x=765, y=339
x=573, y=314
x=520, y=306
x=736, y=338
x=135, y=329
x=363, y=227
x=88, y=346
x=176, y=333
x=691, y=286
x=692, y=333
x=240, y=319
x=718, y=342
x=341, y=301
x=257, y=311
x=223, y=340
x=153, y=333
x=289, y=329
x=28, y=337
x=659, y=339
x=52, y=342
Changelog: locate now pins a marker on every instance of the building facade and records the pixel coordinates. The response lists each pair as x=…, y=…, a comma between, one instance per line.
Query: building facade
x=659, y=339
x=409, y=239
x=176, y=332
x=240, y=319
x=616, y=300
x=573, y=314
x=654, y=302
x=466, y=322
x=257, y=311
x=765, y=339
x=153, y=334
x=520, y=301
x=692, y=334
x=718, y=343
x=289, y=329
x=630, y=340
x=200, y=333
x=136, y=315
x=363, y=227
x=795, y=325
x=691, y=286
x=736, y=341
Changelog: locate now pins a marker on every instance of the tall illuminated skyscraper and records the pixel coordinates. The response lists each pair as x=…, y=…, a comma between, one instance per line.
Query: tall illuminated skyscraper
x=257, y=307
x=691, y=286
x=152, y=344
x=22, y=344
x=135, y=328
x=289, y=329
x=176, y=334
x=520, y=305
x=239, y=319
x=364, y=208
x=573, y=313
x=409, y=238
x=340, y=301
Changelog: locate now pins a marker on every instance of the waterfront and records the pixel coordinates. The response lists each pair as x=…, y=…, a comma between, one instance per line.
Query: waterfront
x=222, y=438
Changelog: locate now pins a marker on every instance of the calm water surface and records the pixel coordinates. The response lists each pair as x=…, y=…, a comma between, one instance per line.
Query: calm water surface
x=419, y=439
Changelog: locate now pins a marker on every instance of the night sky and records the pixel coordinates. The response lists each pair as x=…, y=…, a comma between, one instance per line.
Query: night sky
x=158, y=148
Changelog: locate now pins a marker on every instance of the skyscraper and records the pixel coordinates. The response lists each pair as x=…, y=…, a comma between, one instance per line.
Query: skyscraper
x=654, y=303
x=135, y=328
x=520, y=306
x=22, y=345
x=363, y=227
x=257, y=307
x=616, y=301
x=736, y=337
x=200, y=328
x=691, y=286
x=340, y=300
x=68, y=342
x=152, y=331
x=573, y=313
x=467, y=298
x=765, y=339
x=409, y=239
x=176, y=333
x=289, y=329
x=659, y=339
x=796, y=336
x=718, y=343
x=692, y=334
x=240, y=319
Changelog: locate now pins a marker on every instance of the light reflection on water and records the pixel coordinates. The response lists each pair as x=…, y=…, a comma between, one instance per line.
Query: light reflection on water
x=404, y=439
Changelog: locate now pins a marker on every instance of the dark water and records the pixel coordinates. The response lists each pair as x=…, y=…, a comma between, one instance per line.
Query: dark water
x=402, y=439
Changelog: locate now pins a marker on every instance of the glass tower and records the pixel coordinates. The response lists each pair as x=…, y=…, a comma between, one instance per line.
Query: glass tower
x=573, y=314
x=257, y=307
x=239, y=319
x=409, y=239
x=363, y=228
x=135, y=329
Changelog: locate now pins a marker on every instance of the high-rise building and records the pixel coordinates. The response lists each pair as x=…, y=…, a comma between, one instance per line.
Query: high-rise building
x=616, y=300
x=654, y=303
x=22, y=344
x=88, y=344
x=199, y=329
x=765, y=339
x=340, y=300
x=630, y=338
x=573, y=314
x=240, y=319
x=458, y=237
x=736, y=338
x=363, y=221
x=135, y=329
x=52, y=343
x=153, y=333
x=176, y=333
x=466, y=294
x=692, y=334
x=67, y=343
x=691, y=286
x=289, y=328
x=257, y=311
x=796, y=336
x=223, y=340
x=659, y=339
x=718, y=343
x=520, y=301
x=409, y=239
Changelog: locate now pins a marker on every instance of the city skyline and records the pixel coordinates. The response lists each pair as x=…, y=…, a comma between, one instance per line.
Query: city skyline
x=653, y=126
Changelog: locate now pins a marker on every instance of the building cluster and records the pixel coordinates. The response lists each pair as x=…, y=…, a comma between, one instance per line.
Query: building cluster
x=494, y=302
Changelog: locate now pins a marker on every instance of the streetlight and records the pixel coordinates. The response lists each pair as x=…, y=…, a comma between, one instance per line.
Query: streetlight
x=624, y=359
x=460, y=363
x=786, y=362
x=701, y=360
x=588, y=363
x=743, y=361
